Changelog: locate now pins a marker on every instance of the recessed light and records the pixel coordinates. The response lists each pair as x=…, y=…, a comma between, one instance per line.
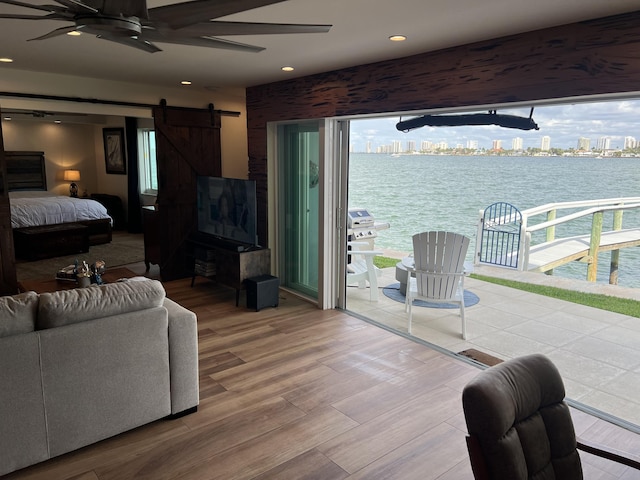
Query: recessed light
x=8, y=119
x=74, y=33
x=6, y=60
x=57, y=121
x=397, y=38
x=287, y=69
x=185, y=82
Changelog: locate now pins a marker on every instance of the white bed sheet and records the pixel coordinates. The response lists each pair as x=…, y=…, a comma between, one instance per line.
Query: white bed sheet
x=29, y=209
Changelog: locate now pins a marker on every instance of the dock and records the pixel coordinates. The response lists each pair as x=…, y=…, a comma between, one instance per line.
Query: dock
x=549, y=255
x=506, y=235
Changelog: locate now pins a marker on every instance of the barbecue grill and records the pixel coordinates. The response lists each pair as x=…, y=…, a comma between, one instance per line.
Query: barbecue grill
x=362, y=226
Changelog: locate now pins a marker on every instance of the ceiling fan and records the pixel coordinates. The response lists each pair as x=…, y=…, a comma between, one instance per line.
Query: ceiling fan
x=130, y=23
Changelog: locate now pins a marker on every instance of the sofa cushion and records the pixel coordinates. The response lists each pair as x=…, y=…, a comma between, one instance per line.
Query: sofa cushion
x=18, y=313
x=81, y=304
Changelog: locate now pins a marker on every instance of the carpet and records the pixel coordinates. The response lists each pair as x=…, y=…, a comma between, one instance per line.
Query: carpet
x=481, y=357
x=393, y=292
x=124, y=249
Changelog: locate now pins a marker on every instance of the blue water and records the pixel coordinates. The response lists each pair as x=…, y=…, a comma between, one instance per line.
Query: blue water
x=425, y=192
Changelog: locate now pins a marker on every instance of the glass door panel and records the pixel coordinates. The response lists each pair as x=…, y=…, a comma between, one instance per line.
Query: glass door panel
x=299, y=200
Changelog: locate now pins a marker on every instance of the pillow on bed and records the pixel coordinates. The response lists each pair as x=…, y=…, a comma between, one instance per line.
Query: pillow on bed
x=18, y=313
x=81, y=304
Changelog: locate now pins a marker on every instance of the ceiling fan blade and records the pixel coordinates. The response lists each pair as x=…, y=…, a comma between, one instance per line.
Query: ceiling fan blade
x=55, y=33
x=53, y=16
x=139, y=43
x=128, y=8
x=244, y=28
x=209, y=42
x=44, y=8
x=77, y=5
x=188, y=13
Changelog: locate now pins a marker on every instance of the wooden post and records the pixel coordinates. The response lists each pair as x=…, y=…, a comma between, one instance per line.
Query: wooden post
x=594, y=245
x=550, y=233
x=615, y=254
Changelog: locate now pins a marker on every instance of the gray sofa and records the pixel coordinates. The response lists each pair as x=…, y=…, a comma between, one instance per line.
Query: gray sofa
x=82, y=365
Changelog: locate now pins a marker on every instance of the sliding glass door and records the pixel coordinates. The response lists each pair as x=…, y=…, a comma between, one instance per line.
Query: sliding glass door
x=299, y=201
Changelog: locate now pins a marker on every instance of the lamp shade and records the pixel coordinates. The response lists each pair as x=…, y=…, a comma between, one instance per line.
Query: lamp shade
x=72, y=175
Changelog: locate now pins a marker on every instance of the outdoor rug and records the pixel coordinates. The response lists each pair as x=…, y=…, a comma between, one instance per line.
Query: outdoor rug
x=393, y=292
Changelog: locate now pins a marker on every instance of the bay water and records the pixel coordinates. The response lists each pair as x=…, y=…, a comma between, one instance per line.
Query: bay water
x=416, y=193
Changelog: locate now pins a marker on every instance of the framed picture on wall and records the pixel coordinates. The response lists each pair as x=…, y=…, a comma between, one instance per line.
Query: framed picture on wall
x=114, y=152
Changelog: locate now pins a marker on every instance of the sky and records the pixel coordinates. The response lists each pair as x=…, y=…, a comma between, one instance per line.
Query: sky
x=564, y=124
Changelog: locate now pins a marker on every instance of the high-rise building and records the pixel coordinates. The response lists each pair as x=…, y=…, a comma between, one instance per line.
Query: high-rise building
x=604, y=143
x=397, y=146
x=545, y=144
x=426, y=145
x=517, y=143
x=472, y=144
x=630, y=142
x=368, y=147
x=411, y=146
x=584, y=144
x=497, y=145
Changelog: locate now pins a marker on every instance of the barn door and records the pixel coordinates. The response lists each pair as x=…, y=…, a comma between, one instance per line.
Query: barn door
x=8, y=279
x=187, y=145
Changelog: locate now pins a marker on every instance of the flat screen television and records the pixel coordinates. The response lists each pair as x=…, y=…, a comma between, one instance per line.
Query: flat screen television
x=227, y=209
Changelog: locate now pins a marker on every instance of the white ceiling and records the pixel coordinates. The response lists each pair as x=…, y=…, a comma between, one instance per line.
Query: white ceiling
x=359, y=35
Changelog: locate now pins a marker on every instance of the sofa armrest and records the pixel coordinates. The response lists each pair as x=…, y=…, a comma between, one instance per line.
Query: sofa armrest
x=183, y=357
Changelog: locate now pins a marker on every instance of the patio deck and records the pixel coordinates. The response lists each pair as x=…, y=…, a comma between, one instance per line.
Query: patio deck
x=597, y=352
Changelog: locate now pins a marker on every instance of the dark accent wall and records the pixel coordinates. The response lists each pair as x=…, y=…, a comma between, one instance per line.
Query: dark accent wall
x=583, y=59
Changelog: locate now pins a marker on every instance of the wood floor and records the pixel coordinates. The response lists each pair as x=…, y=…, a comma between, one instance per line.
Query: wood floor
x=298, y=393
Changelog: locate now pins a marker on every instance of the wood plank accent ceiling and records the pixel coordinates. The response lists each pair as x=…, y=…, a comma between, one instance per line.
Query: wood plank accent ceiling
x=588, y=58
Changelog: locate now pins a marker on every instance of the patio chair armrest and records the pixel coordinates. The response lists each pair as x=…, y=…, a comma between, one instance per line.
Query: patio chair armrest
x=608, y=453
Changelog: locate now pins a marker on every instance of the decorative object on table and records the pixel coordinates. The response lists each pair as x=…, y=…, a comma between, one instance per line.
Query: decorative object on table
x=114, y=152
x=84, y=275
x=67, y=274
x=97, y=269
x=72, y=176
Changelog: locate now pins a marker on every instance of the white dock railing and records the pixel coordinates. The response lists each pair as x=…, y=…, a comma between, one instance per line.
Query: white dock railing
x=562, y=252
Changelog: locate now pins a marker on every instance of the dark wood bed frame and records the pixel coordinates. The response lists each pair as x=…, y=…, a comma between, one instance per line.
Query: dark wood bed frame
x=26, y=171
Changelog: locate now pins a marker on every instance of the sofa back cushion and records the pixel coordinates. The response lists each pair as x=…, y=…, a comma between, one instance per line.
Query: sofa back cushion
x=81, y=304
x=18, y=313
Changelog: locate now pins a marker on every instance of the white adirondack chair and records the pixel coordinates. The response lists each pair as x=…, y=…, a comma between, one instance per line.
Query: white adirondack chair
x=361, y=269
x=439, y=271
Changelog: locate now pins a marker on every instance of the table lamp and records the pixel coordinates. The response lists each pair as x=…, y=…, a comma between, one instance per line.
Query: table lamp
x=72, y=176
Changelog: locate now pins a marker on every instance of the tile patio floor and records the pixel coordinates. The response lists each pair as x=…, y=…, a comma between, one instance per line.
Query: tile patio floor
x=597, y=352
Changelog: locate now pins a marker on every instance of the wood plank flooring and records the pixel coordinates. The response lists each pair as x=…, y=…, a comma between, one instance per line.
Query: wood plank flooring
x=298, y=393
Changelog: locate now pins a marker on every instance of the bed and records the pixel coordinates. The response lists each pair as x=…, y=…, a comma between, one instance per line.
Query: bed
x=32, y=206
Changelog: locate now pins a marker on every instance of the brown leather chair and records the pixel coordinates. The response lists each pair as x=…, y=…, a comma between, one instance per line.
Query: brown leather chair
x=519, y=425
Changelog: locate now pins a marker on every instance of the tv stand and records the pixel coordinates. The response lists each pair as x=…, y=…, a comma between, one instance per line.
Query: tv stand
x=228, y=264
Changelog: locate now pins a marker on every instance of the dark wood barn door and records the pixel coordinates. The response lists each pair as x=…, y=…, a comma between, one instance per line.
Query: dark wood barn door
x=187, y=145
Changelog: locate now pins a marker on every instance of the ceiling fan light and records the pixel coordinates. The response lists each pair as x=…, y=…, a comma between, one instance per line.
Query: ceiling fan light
x=185, y=82
x=397, y=38
x=287, y=69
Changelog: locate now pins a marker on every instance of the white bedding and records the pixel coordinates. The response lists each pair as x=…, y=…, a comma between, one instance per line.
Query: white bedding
x=29, y=209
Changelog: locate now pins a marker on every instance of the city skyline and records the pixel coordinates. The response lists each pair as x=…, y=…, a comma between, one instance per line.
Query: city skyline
x=564, y=124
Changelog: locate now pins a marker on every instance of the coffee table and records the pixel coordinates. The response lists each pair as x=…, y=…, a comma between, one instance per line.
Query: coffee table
x=52, y=285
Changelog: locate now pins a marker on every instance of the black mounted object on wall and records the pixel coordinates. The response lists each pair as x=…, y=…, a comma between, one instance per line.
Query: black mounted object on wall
x=491, y=118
